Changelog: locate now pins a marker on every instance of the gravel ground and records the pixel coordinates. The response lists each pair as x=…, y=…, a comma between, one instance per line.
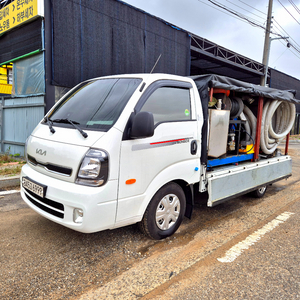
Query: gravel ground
x=42, y=260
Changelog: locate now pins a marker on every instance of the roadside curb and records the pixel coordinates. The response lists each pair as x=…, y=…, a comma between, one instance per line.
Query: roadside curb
x=7, y=182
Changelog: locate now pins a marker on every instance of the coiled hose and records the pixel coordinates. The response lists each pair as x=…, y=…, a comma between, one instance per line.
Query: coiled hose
x=239, y=109
x=251, y=120
x=277, y=121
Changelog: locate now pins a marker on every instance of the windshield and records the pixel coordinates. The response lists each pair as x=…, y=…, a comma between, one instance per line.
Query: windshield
x=95, y=105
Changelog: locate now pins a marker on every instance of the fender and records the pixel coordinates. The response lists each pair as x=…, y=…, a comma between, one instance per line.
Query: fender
x=132, y=209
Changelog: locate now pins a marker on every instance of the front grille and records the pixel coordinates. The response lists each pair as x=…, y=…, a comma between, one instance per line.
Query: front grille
x=56, y=205
x=50, y=167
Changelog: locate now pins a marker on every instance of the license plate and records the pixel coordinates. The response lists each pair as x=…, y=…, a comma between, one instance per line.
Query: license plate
x=34, y=187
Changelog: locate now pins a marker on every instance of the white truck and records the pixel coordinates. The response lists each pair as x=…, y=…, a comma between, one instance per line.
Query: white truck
x=128, y=149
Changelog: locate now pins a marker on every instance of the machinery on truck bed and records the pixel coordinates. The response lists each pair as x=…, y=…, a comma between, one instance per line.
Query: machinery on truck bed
x=259, y=119
x=128, y=149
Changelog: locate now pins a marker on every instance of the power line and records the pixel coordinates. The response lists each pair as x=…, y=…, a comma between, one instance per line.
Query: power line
x=280, y=55
x=285, y=32
x=295, y=48
x=237, y=14
x=253, y=7
x=291, y=50
x=244, y=18
x=295, y=6
x=241, y=17
x=220, y=7
x=253, y=23
x=288, y=12
x=291, y=45
x=228, y=14
x=245, y=10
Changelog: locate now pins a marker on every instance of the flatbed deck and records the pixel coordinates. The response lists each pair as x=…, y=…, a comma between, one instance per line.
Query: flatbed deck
x=225, y=182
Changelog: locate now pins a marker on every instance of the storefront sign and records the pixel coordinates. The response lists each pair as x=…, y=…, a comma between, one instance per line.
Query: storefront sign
x=19, y=12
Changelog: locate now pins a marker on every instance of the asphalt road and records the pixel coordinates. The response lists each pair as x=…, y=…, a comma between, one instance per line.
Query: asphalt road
x=43, y=260
x=266, y=269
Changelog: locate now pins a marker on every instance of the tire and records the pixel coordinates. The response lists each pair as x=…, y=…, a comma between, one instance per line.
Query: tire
x=259, y=193
x=164, y=213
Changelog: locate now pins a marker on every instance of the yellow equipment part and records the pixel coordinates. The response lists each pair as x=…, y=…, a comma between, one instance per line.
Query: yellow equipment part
x=249, y=149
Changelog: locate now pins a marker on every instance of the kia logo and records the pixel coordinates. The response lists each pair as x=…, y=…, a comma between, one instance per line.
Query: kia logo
x=40, y=152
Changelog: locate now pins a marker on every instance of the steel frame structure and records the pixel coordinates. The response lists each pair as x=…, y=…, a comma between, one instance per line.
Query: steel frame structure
x=203, y=49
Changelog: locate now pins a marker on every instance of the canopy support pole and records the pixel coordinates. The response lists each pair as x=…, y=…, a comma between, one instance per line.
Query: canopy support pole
x=287, y=139
x=258, y=127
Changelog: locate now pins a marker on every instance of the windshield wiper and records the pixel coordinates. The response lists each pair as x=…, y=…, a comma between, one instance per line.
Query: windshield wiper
x=50, y=123
x=73, y=123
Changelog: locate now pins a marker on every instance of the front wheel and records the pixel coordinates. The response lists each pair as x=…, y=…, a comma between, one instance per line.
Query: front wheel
x=259, y=193
x=164, y=213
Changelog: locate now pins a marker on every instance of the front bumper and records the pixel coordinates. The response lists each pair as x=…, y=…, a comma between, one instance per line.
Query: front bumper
x=98, y=204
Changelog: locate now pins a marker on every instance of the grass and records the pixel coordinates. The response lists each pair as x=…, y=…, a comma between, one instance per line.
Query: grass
x=12, y=171
x=6, y=166
x=8, y=158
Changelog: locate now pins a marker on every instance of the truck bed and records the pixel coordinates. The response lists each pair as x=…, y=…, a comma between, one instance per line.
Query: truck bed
x=225, y=182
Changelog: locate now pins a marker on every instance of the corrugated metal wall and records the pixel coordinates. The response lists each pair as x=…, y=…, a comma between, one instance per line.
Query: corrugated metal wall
x=18, y=118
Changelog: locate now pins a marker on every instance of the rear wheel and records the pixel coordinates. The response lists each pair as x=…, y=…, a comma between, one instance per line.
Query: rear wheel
x=259, y=192
x=165, y=212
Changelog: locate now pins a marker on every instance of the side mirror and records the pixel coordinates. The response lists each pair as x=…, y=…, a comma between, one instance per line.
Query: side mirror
x=142, y=125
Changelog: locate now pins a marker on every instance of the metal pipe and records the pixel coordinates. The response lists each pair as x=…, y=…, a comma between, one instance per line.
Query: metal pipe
x=287, y=144
x=258, y=127
x=22, y=56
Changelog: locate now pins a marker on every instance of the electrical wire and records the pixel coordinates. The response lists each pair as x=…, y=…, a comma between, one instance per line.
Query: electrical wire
x=295, y=6
x=285, y=32
x=242, y=17
x=291, y=50
x=280, y=55
x=252, y=22
x=288, y=12
x=253, y=142
x=228, y=14
x=239, y=15
x=228, y=11
x=253, y=7
x=294, y=46
x=246, y=10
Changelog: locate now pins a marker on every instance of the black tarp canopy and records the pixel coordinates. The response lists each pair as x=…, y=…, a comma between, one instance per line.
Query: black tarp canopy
x=227, y=83
x=204, y=82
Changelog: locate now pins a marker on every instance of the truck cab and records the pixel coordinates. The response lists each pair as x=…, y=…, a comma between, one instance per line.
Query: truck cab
x=109, y=146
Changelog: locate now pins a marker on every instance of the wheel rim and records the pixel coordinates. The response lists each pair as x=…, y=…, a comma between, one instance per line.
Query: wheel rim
x=167, y=212
x=262, y=189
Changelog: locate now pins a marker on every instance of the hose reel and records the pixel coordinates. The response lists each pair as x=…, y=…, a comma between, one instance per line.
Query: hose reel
x=277, y=121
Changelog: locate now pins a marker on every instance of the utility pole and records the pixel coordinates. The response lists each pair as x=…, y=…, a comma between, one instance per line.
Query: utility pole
x=267, y=43
x=267, y=62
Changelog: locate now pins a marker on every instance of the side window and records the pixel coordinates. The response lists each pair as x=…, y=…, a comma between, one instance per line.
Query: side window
x=169, y=104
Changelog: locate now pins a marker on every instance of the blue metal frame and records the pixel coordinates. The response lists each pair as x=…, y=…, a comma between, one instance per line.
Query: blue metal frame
x=229, y=160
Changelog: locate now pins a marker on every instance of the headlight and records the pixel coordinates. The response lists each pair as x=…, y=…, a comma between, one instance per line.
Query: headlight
x=94, y=168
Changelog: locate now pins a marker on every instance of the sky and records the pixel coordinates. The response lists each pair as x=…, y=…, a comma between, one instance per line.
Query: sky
x=203, y=18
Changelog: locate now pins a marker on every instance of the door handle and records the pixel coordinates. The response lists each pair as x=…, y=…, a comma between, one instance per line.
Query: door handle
x=194, y=147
